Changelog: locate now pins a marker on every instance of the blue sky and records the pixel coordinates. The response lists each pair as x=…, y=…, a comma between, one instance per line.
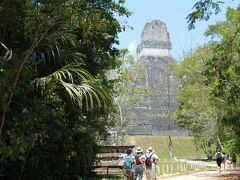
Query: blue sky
x=173, y=13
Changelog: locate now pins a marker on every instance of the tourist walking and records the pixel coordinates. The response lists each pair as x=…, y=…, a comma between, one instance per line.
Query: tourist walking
x=234, y=160
x=228, y=163
x=151, y=161
x=224, y=157
x=219, y=158
x=138, y=170
x=128, y=165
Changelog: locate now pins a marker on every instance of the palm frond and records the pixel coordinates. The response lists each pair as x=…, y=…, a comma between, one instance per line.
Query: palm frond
x=58, y=48
x=78, y=84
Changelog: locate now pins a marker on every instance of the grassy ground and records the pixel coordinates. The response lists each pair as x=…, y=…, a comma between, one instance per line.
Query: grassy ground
x=183, y=147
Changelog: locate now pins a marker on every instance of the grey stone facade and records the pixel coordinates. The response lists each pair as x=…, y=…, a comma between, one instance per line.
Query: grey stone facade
x=154, y=52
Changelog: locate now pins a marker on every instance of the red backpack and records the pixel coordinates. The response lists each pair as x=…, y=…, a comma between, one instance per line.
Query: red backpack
x=149, y=161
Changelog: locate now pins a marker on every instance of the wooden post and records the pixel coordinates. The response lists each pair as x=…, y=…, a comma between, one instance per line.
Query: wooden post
x=167, y=170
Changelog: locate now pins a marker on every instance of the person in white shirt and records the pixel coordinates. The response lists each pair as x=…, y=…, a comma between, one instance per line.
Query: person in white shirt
x=150, y=159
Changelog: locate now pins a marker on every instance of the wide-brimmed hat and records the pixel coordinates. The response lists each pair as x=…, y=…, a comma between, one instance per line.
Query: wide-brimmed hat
x=139, y=150
x=150, y=149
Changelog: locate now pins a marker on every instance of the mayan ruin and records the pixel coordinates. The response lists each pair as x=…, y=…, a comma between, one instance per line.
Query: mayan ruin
x=154, y=52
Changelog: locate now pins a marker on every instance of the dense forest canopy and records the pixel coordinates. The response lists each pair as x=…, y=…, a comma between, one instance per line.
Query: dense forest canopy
x=209, y=95
x=55, y=97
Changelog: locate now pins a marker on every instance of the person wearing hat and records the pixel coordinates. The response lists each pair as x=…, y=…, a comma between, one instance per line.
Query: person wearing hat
x=138, y=169
x=151, y=161
x=128, y=165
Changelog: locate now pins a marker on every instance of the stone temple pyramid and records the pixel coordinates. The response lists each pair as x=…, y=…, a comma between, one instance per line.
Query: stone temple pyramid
x=154, y=52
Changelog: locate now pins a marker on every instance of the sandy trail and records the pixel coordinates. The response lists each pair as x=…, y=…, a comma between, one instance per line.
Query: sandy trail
x=208, y=175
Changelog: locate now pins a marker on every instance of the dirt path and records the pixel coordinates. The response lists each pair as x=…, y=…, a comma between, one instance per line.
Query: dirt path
x=210, y=175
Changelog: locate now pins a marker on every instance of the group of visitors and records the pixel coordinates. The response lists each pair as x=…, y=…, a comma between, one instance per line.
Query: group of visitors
x=135, y=164
x=222, y=158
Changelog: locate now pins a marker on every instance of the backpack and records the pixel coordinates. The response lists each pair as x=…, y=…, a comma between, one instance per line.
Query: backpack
x=218, y=155
x=128, y=163
x=149, y=161
x=137, y=156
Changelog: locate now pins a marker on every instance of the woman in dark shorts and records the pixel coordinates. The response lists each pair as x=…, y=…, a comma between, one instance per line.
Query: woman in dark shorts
x=218, y=157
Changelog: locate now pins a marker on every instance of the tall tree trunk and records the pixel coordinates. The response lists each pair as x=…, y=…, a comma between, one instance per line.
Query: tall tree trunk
x=121, y=124
x=220, y=143
x=168, y=110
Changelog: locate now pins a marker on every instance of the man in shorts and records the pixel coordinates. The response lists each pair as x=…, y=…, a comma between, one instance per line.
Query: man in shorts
x=150, y=159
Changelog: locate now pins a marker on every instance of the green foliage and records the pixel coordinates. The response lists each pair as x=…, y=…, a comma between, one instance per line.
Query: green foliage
x=223, y=70
x=55, y=98
x=209, y=153
x=78, y=84
x=129, y=89
x=17, y=148
x=209, y=92
x=203, y=10
x=196, y=109
x=230, y=146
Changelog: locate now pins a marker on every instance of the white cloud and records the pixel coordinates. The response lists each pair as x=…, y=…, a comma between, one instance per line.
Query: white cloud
x=132, y=47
